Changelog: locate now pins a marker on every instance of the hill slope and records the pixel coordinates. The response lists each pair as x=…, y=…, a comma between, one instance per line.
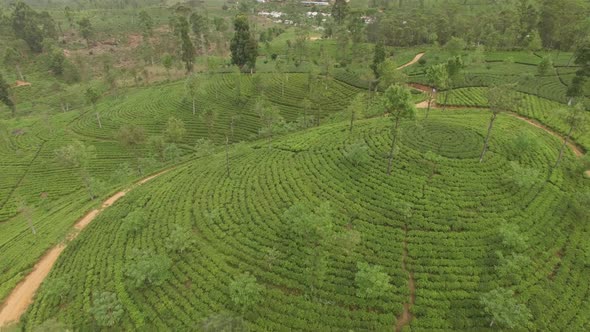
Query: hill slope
x=435, y=226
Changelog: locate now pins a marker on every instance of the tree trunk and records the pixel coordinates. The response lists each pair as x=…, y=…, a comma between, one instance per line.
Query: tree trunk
x=98, y=119
x=318, y=117
x=20, y=73
x=304, y=117
x=393, y=141
x=30, y=222
x=561, y=150
x=86, y=180
x=429, y=104
x=351, y=120
x=227, y=155
x=194, y=106
x=486, y=141
x=446, y=99
x=13, y=110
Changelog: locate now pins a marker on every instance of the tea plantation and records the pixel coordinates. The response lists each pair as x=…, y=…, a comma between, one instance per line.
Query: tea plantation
x=303, y=217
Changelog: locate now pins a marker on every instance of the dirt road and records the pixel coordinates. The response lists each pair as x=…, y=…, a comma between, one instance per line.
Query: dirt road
x=416, y=59
x=22, y=295
x=575, y=148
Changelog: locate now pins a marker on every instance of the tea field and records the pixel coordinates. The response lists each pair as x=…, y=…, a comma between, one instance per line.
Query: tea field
x=305, y=214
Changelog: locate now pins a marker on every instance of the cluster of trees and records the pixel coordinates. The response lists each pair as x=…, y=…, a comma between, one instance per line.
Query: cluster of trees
x=31, y=26
x=559, y=24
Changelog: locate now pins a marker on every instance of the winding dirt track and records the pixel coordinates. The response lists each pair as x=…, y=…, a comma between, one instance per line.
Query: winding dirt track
x=416, y=59
x=578, y=151
x=22, y=295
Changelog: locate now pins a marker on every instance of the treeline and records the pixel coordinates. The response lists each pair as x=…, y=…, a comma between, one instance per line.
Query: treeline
x=87, y=4
x=508, y=24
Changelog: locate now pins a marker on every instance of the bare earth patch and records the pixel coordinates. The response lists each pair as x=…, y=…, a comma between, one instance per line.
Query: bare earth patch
x=416, y=59
x=22, y=83
x=22, y=295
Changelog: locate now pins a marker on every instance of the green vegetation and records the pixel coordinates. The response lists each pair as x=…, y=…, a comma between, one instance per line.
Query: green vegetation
x=363, y=165
x=240, y=225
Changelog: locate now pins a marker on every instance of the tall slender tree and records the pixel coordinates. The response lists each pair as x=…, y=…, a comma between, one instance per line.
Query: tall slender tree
x=340, y=11
x=397, y=101
x=244, y=48
x=92, y=96
x=575, y=121
x=438, y=77
x=500, y=98
x=187, y=49
x=5, y=96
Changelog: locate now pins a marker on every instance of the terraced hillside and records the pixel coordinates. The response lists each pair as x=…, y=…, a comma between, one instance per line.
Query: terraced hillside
x=299, y=218
x=54, y=195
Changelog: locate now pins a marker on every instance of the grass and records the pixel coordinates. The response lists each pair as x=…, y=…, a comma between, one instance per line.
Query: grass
x=449, y=219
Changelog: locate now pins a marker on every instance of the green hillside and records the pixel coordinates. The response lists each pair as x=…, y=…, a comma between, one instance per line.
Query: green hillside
x=300, y=216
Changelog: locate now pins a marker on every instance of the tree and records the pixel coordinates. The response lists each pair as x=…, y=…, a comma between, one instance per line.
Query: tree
x=455, y=45
x=371, y=281
x=397, y=101
x=175, y=129
x=340, y=11
x=544, y=66
x=512, y=238
x=582, y=59
x=357, y=153
x=26, y=26
x=147, y=268
x=92, y=96
x=180, y=239
x=454, y=68
x=57, y=289
x=306, y=105
x=504, y=310
x=243, y=46
x=245, y=292
x=378, y=58
x=77, y=155
x=575, y=120
x=187, y=50
x=535, y=42
x=86, y=30
x=26, y=211
x=500, y=98
x=209, y=115
x=200, y=27
x=134, y=221
x=510, y=267
x=132, y=137
x=106, y=309
x=356, y=109
x=57, y=63
x=389, y=74
x=438, y=76
x=270, y=116
x=13, y=58
x=167, y=62
x=5, y=95
x=146, y=23
x=524, y=177
x=193, y=88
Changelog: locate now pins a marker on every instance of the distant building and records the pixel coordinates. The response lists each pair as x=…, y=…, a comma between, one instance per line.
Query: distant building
x=315, y=3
